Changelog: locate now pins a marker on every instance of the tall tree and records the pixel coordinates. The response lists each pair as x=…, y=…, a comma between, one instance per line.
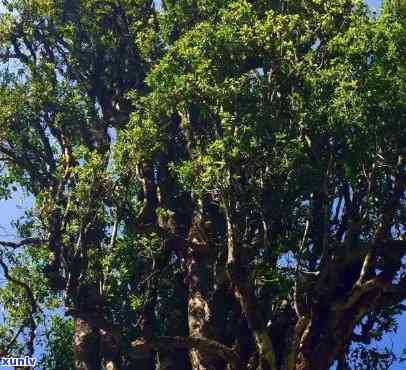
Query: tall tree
x=217, y=184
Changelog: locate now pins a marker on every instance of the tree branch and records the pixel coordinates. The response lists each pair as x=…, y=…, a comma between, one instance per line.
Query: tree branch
x=244, y=293
x=200, y=343
x=33, y=303
x=22, y=243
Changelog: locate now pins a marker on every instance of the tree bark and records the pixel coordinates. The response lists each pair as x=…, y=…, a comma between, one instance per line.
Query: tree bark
x=177, y=323
x=199, y=310
x=173, y=343
x=87, y=346
x=244, y=294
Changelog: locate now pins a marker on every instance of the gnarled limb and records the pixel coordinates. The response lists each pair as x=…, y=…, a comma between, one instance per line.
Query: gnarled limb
x=203, y=344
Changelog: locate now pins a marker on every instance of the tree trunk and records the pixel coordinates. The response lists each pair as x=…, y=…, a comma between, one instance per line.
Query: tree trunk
x=177, y=323
x=199, y=311
x=87, y=346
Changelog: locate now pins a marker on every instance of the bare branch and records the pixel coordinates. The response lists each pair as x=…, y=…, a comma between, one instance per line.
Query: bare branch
x=22, y=243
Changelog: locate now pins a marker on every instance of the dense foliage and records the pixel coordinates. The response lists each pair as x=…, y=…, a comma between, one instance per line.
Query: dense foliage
x=217, y=184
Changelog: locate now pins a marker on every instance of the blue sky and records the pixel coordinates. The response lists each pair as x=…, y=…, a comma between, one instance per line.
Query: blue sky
x=374, y=3
x=14, y=208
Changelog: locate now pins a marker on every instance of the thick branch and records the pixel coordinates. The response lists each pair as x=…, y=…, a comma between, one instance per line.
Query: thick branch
x=359, y=290
x=245, y=296
x=200, y=343
x=383, y=231
x=22, y=243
